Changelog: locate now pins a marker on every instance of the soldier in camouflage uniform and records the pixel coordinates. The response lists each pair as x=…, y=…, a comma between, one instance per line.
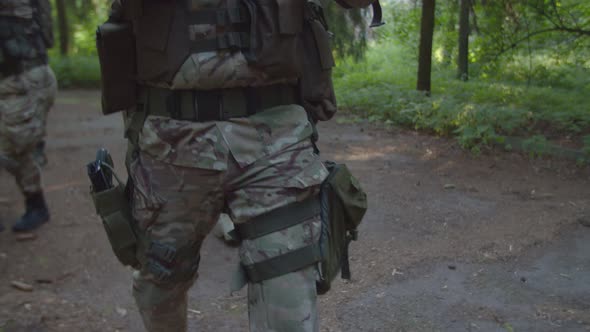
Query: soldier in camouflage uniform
x=27, y=91
x=215, y=128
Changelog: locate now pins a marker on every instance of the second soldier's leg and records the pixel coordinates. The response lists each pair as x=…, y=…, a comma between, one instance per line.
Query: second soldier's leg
x=176, y=207
x=25, y=98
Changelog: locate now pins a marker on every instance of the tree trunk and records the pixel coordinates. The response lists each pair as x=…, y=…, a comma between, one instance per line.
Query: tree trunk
x=62, y=26
x=463, y=58
x=425, y=57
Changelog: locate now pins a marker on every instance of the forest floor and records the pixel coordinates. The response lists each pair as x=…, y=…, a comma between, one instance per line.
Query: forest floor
x=451, y=242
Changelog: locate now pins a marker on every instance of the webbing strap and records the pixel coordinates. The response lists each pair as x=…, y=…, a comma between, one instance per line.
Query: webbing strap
x=228, y=40
x=279, y=219
x=219, y=17
x=212, y=105
x=283, y=264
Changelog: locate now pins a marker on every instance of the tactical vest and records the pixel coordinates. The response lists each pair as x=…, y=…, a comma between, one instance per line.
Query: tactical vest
x=25, y=34
x=209, y=44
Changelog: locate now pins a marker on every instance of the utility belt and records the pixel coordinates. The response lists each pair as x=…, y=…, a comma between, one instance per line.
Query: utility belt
x=8, y=69
x=217, y=104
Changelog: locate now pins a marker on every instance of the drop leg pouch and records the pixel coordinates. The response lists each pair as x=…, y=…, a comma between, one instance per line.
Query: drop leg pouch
x=343, y=205
x=112, y=205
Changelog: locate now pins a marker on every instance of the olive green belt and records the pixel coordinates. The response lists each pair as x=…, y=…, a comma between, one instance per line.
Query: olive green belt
x=215, y=105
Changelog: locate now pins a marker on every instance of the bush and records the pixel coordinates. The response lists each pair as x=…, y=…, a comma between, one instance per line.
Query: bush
x=478, y=113
x=76, y=71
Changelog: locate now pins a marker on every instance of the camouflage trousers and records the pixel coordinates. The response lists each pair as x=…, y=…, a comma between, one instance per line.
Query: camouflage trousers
x=25, y=100
x=185, y=174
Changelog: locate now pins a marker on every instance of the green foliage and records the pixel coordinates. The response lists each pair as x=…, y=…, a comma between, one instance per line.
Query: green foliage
x=76, y=71
x=479, y=113
x=349, y=28
x=536, y=145
x=83, y=17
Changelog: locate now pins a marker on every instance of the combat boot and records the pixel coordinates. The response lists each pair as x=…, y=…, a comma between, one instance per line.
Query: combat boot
x=36, y=214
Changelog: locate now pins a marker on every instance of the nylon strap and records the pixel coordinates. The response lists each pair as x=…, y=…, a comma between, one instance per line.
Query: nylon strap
x=228, y=40
x=219, y=17
x=283, y=264
x=279, y=219
x=212, y=105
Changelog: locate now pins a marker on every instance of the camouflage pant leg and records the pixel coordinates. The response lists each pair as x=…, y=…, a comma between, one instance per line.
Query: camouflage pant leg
x=286, y=303
x=176, y=207
x=24, y=102
x=257, y=164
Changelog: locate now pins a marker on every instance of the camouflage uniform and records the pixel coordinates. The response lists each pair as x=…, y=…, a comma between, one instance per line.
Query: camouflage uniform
x=185, y=173
x=27, y=92
x=251, y=165
x=24, y=100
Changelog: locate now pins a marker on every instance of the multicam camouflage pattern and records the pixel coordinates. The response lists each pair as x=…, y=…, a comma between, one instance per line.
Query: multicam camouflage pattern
x=16, y=8
x=285, y=303
x=25, y=100
x=212, y=70
x=288, y=302
x=186, y=172
x=222, y=69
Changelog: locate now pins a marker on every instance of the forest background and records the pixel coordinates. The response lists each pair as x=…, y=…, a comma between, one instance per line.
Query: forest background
x=513, y=74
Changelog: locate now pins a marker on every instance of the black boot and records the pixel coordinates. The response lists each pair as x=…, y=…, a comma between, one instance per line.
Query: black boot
x=36, y=214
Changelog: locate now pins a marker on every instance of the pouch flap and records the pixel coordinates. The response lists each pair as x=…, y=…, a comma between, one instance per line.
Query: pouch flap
x=322, y=39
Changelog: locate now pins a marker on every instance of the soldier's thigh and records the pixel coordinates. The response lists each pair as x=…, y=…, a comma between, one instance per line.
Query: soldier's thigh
x=175, y=207
x=290, y=175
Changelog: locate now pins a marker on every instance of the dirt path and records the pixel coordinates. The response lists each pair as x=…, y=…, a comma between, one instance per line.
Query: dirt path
x=451, y=242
